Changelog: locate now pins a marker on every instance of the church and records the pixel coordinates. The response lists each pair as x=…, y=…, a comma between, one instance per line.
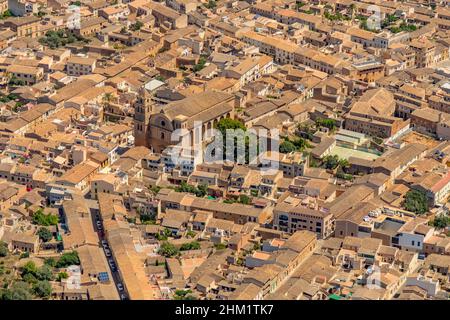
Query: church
x=154, y=124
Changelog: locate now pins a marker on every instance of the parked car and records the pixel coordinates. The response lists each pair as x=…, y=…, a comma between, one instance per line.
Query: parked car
x=112, y=264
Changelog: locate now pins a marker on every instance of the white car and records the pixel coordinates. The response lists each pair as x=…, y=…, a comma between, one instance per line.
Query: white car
x=108, y=253
x=120, y=286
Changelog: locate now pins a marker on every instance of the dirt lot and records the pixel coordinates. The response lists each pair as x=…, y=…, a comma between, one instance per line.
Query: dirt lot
x=414, y=137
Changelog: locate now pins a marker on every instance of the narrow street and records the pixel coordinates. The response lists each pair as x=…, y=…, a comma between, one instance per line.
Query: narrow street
x=113, y=270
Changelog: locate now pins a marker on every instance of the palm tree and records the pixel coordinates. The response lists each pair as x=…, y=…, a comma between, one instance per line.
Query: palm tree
x=352, y=11
x=106, y=100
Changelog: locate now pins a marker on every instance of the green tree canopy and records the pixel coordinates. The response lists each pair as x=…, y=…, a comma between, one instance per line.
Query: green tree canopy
x=287, y=147
x=244, y=199
x=184, y=295
x=62, y=275
x=20, y=290
x=168, y=250
x=42, y=219
x=331, y=161
x=441, y=221
x=42, y=289
x=194, y=245
x=3, y=249
x=327, y=123
x=29, y=268
x=44, y=273
x=200, y=191
x=416, y=201
x=229, y=123
x=68, y=259
x=50, y=262
x=136, y=26
x=44, y=234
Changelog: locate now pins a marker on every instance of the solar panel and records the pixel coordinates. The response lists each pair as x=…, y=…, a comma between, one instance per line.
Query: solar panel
x=103, y=276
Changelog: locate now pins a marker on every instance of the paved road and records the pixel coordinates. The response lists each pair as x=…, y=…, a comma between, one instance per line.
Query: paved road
x=114, y=273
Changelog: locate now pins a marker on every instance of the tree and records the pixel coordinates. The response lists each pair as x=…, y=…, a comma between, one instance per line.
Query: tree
x=202, y=190
x=42, y=219
x=298, y=5
x=300, y=144
x=194, y=245
x=229, y=123
x=6, y=14
x=42, y=289
x=211, y=4
x=287, y=147
x=331, y=161
x=183, y=295
x=327, y=123
x=344, y=164
x=244, y=199
x=200, y=65
x=155, y=189
x=29, y=268
x=416, y=201
x=220, y=246
x=44, y=273
x=29, y=278
x=107, y=98
x=167, y=249
x=190, y=234
x=50, y=262
x=62, y=275
x=165, y=235
x=20, y=290
x=136, y=26
x=3, y=249
x=45, y=234
x=441, y=221
x=68, y=259
x=352, y=10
